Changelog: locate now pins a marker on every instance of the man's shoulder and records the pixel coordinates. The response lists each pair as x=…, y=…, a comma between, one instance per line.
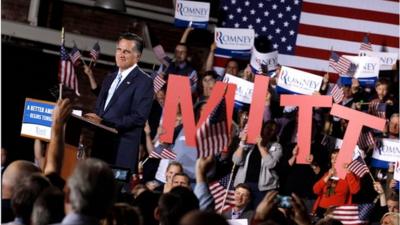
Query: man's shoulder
x=143, y=74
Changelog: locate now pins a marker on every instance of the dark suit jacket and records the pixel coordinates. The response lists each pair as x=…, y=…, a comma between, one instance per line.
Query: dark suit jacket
x=246, y=214
x=127, y=112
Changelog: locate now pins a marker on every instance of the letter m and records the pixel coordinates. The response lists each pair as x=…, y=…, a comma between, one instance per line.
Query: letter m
x=178, y=93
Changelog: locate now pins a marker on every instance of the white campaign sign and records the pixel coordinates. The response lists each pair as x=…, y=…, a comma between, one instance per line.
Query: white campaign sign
x=244, y=88
x=387, y=60
x=234, y=39
x=367, y=67
x=389, y=151
x=298, y=81
x=238, y=222
x=190, y=11
x=257, y=59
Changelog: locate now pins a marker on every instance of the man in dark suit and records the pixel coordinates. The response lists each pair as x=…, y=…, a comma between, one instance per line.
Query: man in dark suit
x=242, y=207
x=124, y=103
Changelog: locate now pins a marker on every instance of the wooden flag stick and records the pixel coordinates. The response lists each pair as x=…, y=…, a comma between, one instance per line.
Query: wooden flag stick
x=60, y=91
x=62, y=43
x=227, y=189
x=144, y=161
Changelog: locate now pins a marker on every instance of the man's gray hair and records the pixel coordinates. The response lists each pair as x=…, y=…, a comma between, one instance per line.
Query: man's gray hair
x=92, y=188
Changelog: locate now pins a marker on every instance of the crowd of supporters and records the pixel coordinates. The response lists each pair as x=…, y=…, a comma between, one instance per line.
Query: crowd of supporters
x=261, y=183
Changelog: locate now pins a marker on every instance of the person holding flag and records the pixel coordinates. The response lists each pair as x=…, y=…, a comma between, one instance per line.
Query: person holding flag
x=333, y=191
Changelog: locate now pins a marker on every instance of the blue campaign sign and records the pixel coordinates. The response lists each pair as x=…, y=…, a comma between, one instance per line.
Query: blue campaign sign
x=36, y=121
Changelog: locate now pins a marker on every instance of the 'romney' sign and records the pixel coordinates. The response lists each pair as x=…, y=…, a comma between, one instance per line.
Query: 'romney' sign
x=190, y=13
x=294, y=81
x=236, y=43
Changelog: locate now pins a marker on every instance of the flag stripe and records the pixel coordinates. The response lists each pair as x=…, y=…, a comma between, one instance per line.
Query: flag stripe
x=372, y=5
x=354, y=13
x=341, y=34
x=348, y=24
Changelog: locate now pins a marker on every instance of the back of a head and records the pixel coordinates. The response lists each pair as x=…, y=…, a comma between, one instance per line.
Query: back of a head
x=122, y=214
x=26, y=193
x=175, y=204
x=329, y=221
x=203, y=218
x=48, y=207
x=14, y=173
x=91, y=188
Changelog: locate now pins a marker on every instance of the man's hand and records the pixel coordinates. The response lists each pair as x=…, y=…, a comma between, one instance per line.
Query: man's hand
x=62, y=111
x=93, y=117
x=203, y=165
x=266, y=205
x=300, y=215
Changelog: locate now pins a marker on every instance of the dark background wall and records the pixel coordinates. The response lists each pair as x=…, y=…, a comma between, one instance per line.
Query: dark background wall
x=27, y=71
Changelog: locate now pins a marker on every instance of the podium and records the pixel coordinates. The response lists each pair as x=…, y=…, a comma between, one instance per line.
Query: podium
x=73, y=138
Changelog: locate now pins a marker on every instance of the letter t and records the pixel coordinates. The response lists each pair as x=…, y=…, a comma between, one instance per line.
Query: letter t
x=357, y=120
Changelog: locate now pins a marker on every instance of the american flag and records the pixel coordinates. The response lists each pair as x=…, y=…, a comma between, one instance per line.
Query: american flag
x=358, y=167
x=304, y=31
x=353, y=214
x=341, y=64
x=366, y=139
x=158, y=83
x=218, y=191
x=160, y=54
x=212, y=135
x=66, y=72
x=337, y=93
x=162, y=152
x=366, y=44
x=377, y=109
x=219, y=63
x=95, y=52
x=75, y=55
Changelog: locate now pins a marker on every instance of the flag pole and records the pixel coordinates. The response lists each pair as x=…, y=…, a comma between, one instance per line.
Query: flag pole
x=227, y=189
x=81, y=57
x=144, y=161
x=62, y=43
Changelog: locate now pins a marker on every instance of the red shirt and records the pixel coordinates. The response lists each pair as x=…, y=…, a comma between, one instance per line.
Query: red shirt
x=340, y=191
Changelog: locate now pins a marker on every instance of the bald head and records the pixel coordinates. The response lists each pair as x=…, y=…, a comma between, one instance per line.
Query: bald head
x=14, y=173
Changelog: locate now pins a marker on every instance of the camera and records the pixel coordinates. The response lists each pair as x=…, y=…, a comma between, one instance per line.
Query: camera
x=121, y=174
x=284, y=201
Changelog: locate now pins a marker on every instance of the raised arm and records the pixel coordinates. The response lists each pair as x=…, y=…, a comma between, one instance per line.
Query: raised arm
x=186, y=34
x=55, y=151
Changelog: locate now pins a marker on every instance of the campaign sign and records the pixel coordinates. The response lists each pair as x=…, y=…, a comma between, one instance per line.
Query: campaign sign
x=193, y=14
x=244, y=88
x=388, y=151
x=269, y=59
x=292, y=81
x=238, y=222
x=367, y=69
x=36, y=120
x=234, y=42
x=387, y=60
